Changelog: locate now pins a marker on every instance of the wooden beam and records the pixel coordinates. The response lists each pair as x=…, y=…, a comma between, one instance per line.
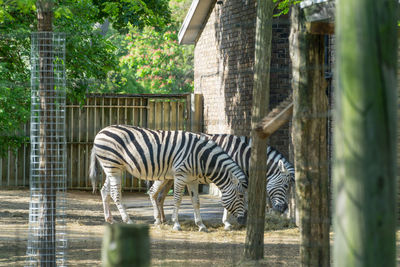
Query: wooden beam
x=270, y=125
x=320, y=28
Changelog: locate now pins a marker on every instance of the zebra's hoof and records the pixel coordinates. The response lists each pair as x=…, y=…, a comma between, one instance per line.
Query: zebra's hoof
x=203, y=229
x=177, y=228
x=228, y=227
x=129, y=221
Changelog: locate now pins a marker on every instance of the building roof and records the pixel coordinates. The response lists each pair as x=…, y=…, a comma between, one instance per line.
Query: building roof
x=194, y=21
x=307, y=3
x=319, y=10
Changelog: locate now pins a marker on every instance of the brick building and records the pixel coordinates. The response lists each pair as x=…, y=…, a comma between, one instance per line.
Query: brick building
x=223, y=33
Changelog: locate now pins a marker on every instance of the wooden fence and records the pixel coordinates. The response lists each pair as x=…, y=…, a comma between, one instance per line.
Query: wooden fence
x=165, y=112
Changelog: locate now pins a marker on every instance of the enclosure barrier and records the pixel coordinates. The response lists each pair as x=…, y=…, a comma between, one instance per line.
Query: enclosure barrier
x=47, y=234
x=82, y=122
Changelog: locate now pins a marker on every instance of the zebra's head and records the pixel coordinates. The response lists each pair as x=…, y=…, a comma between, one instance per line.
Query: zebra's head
x=279, y=185
x=234, y=201
x=233, y=195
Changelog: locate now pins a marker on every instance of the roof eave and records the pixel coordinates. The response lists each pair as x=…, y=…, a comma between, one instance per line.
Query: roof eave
x=194, y=21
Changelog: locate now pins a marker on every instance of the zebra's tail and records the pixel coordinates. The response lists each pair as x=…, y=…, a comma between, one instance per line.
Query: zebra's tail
x=93, y=169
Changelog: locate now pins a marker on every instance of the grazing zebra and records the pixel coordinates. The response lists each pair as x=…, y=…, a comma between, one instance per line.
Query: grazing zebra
x=160, y=155
x=280, y=175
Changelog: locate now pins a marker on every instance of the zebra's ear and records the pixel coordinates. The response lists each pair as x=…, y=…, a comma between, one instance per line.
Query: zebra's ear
x=281, y=166
x=240, y=189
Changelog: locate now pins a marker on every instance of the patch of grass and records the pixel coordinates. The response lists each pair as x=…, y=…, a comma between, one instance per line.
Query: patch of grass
x=275, y=222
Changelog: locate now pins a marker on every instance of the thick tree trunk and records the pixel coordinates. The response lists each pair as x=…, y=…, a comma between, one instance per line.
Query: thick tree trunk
x=254, y=246
x=310, y=142
x=365, y=133
x=47, y=215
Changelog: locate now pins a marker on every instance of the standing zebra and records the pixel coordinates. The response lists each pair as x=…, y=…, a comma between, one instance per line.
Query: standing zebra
x=160, y=155
x=280, y=175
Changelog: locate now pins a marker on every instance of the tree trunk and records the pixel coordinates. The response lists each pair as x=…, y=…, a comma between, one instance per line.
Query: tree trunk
x=310, y=142
x=365, y=133
x=47, y=215
x=254, y=246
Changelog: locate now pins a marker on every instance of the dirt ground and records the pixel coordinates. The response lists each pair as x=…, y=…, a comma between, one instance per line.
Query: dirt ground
x=85, y=226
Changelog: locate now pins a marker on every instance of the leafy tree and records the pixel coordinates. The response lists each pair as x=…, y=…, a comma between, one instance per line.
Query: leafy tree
x=157, y=62
x=138, y=13
x=152, y=61
x=283, y=6
x=90, y=55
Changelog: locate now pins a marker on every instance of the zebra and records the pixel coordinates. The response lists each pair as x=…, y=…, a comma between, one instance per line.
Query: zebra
x=280, y=176
x=161, y=155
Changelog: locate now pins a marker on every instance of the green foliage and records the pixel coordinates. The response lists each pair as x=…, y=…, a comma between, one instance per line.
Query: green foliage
x=152, y=61
x=14, y=113
x=138, y=13
x=157, y=62
x=90, y=56
x=284, y=6
x=14, y=92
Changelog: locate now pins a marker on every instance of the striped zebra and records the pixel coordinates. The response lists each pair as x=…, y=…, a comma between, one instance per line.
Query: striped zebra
x=161, y=155
x=280, y=176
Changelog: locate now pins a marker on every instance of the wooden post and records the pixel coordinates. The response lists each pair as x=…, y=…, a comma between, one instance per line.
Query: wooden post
x=196, y=113
x=126, y=245
x=310, y=141
x=254, y=246
x=365, y=133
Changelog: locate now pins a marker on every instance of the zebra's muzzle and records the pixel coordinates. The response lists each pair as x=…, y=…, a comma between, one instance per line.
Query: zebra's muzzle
x=242, y=219
x=280, y=208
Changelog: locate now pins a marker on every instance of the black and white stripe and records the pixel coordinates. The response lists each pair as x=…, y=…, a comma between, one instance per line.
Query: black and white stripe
x=280, y=174
x=161, y=155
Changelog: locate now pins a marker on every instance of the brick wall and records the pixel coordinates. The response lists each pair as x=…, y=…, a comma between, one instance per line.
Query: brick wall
x=224, y=59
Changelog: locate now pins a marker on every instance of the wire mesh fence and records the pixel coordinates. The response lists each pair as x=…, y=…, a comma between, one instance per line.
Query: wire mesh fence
x=47, y=229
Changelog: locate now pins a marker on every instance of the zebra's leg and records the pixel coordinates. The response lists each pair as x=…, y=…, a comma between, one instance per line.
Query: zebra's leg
x=153, y=194
x=227, y=224
x=105, y=196
x=161, y=198
x=193, y=189
x=115, y=190
x=179, y=186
